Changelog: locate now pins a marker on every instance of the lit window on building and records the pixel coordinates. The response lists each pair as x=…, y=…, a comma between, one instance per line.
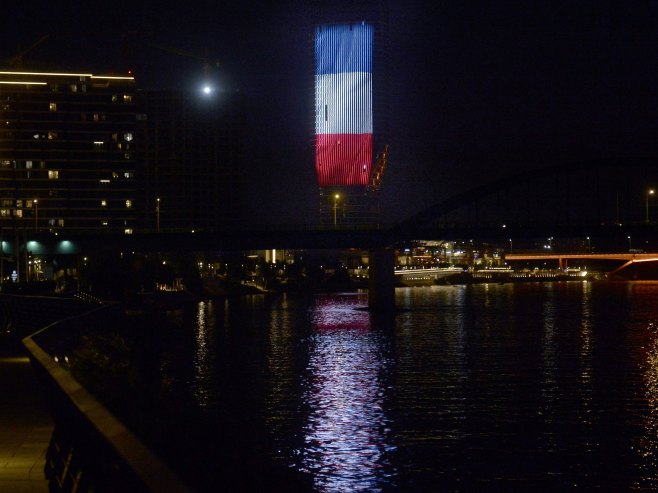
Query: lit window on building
x=103, y=203
x=129, y=203
x=28, y=164
x=53, y=174
x=53, y=106
x=115, y=136
x=104, y=223
x=19, y=203
x=127, y=98
x=73, y=87
x=115, y=98
x=28, y=204
x=128, y=231
x=6, y=163
x=128, y=174
x=115, y=174
x=60, y=223
x=6, y=203
x=18, y=213
x=4, y=212
x=128, y=136
x=52, y=135
x=98, y=144
x=97, y=117
x=126, y=155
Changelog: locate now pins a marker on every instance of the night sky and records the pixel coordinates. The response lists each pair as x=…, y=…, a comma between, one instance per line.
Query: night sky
x=477, y=89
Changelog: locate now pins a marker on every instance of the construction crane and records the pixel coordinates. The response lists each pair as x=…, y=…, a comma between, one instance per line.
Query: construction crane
x=17, y=60
x=378, y=172
x=208, y=64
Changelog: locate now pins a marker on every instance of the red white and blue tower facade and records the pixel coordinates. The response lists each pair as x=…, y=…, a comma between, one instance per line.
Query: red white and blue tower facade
x=343, y=104
x=350, y=122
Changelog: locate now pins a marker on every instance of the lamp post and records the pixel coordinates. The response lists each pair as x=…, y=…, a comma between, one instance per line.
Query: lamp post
x=646, y=204
x=157, y=214
x=589, y=245
x=336, y=198
x=629, y=243
x=511, y=246
x=36, y=214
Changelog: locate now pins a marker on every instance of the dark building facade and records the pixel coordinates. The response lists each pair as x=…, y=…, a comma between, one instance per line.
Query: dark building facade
x=191, y=149
x=67, y=156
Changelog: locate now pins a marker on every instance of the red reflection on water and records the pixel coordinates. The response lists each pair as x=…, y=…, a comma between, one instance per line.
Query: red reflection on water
x=333, y=312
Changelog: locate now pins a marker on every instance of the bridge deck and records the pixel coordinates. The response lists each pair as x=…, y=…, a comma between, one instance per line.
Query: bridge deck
x=590, y=256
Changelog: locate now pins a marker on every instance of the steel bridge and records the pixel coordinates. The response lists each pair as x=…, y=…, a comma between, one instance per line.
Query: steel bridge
x=628, y=259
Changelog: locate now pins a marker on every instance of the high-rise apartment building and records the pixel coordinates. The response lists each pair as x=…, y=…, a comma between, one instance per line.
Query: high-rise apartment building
x=191, y=149
x=67, y=152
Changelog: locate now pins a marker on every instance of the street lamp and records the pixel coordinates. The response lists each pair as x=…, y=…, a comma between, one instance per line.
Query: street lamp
x=646, y=204
x=336, y=198
x=629, y=243
x=157, y=213
x=36, y=214
x=589, y=245
x=511, y=246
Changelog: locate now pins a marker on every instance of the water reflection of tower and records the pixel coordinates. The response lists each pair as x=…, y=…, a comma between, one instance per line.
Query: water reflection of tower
x=346, y=433
x=350, y=115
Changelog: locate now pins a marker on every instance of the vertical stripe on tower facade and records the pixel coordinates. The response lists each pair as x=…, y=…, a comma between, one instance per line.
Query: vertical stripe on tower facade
x=343, y=103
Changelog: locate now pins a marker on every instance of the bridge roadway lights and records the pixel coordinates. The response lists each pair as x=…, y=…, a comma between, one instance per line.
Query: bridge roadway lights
x=381, y=279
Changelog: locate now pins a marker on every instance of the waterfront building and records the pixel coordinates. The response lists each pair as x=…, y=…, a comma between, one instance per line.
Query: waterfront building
x=67, y=160
x=192, y=154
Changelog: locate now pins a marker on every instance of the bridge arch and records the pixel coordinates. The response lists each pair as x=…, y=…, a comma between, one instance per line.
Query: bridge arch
x=610, y=191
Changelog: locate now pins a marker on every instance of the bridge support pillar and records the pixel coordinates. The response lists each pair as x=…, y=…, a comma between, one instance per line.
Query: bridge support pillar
x=381, y=279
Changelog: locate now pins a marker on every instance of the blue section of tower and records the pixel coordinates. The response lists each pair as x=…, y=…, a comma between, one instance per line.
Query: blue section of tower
x=343, y=48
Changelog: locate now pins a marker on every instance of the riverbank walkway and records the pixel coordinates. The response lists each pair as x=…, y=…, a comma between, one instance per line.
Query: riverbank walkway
x=25, y=424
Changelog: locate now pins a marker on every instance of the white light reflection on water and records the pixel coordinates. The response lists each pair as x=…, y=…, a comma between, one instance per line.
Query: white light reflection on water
x=585, y=358
x=647, y=449
x=548, y=382
x=203, y=355
x=346, y=431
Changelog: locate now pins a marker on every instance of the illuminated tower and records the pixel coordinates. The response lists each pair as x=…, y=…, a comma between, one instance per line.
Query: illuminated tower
x=344, y=124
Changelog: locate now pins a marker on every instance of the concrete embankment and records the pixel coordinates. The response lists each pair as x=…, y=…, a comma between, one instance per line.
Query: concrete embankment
x=25, y=417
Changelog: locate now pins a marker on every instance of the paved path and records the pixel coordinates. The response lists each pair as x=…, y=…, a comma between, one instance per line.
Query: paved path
x=25, y=425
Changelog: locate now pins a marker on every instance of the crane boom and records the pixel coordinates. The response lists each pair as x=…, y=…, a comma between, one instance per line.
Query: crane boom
x=177, y=51
x=17, y=60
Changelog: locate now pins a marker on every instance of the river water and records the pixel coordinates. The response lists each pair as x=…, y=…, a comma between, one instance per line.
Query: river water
x=489, y=387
